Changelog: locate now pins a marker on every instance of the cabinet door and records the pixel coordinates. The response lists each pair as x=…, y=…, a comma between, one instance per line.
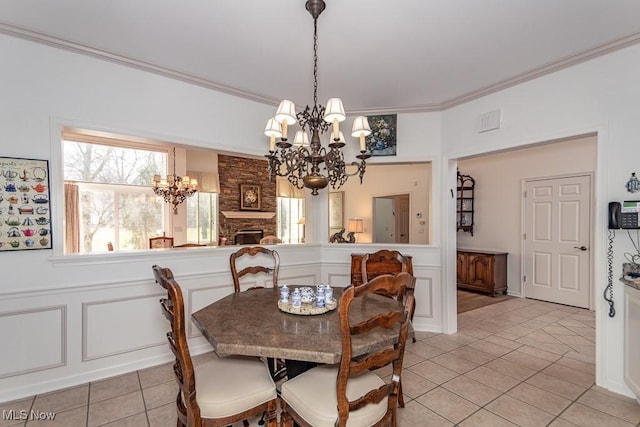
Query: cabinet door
x=462, y=269
x=481, y=271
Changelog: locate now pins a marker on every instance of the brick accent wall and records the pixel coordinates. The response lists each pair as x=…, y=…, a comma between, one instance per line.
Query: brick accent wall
x=234, y=171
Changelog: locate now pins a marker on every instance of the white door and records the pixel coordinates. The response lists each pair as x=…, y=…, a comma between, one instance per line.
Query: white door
x=557, y=238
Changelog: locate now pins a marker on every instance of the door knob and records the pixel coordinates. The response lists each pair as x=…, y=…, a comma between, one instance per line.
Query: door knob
x=582, y=248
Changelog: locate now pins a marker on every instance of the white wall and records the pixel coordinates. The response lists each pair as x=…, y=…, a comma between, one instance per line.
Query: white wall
x=62, y=317
x=498, y=194
x=600, y=96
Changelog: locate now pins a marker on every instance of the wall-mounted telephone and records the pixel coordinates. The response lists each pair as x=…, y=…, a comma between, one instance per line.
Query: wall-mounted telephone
x=625, y=215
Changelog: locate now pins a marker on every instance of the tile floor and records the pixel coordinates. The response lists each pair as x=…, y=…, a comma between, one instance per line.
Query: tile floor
x=516, y=363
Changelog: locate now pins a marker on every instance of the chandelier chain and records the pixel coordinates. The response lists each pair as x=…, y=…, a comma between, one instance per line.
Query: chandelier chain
x=315, y=61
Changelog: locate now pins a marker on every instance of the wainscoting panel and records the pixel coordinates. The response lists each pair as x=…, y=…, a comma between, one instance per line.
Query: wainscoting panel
x=104, y=324
x=32, y=340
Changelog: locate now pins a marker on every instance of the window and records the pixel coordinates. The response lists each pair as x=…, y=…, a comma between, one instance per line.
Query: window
x=202, y=218
x=108, y=195
x=290, y=212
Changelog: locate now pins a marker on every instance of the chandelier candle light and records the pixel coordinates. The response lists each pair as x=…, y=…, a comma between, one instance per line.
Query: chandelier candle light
x=300, y=161
x=174, y=189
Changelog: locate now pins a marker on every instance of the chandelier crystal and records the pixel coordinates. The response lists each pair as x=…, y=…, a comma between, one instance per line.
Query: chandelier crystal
x=174, y=189
x=300, y=162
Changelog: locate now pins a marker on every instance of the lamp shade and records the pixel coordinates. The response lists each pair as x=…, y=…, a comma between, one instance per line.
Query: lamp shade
x=301, y=138
x=334, y=111
x=286, y=111
x=356, y=225
x=360, y=127
x=272, y=128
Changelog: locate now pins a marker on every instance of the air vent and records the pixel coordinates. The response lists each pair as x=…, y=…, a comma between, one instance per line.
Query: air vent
x=490, y=121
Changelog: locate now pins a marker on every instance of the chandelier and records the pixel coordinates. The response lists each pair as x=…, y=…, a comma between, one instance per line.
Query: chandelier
x=300, y=162
x=174, y=189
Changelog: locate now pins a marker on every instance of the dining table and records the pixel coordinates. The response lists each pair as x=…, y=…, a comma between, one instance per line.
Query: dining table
x=251, y=323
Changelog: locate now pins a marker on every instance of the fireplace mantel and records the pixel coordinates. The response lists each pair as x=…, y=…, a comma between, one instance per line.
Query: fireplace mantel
x=248, y=214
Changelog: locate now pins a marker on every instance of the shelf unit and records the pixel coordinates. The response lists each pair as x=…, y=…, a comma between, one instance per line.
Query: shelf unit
x=465, y=203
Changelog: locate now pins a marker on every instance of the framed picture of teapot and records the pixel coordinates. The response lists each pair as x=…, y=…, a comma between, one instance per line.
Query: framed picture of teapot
x=25, y=212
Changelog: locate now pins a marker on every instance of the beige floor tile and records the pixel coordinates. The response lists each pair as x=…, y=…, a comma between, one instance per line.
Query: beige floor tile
x=519, y=331
x=420, y=335
x=571, y=375
x=587, y=368
x=559, y=422
x=472, y=390
x=606, y=392
x=455, y=363
x=63, y=400
x=120, y=407
x=112, y=387
x=556, y=329
x=472, y=354
x=518, y=412
x=138, y=420
x=539, y=398
x=490, y=348
x=474, y=332
x=425, y=350
x=628, y=411
x=526, y=360
x=12, y=412
x=160, y=394
x=415, y=385
x=557, y=348
x=449, y=342
x=73, y=417
x=573, y=340
x=157, y=375
x=484, y=418
x=433, y=372
x=492, y=378
x=586, y=417
x=510, y=344
x=411, y=359
x=414, y=414
x=163, y=416
x=557, y=386
x=511, y=368
x=447, y=404
x=541, y=354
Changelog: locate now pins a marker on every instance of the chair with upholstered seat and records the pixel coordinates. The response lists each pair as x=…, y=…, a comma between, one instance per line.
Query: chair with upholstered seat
x=254, y=260
x=220, y=391
x=270, y=240
x=350, y=393
x=160, y=242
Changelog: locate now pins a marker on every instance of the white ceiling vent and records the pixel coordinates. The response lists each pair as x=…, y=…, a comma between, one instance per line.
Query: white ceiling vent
x=490, y=121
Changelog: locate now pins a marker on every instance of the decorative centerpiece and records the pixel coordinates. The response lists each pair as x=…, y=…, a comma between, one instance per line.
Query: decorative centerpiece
x=304, y=300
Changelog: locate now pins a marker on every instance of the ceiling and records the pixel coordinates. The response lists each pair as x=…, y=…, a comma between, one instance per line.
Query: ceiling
x=378, y=56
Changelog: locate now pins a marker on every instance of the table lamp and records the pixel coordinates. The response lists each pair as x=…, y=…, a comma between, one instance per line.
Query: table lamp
x=356, y=225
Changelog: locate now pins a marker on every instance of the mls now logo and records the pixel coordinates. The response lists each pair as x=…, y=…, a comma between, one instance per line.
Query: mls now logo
x=12, y=415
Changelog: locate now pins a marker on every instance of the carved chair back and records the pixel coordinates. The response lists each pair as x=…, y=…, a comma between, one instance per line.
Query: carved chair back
x=269, y=266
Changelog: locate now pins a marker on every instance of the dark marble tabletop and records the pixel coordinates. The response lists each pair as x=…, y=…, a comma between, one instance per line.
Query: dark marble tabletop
x=250, y=323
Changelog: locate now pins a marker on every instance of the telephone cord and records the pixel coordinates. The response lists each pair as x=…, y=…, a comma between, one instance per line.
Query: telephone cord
x=608, y=291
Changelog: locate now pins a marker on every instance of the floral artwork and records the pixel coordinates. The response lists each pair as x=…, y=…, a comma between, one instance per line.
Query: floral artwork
x=250, y=197
x=382, y=141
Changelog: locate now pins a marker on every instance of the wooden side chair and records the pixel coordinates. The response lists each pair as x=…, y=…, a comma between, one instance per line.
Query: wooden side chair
x=220, y=391
x=350, y=393
x=270, y=240
x=247, y=255
x=160, y=242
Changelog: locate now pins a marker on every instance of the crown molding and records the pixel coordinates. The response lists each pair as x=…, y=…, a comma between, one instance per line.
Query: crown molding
x=568, y=61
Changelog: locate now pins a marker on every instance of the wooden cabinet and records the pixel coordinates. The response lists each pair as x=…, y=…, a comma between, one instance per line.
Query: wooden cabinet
x=483, y=271
x=377, y=266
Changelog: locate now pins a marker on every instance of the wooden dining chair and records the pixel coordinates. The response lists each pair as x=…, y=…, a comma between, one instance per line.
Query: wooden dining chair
x=160, y=242
x=334, y=395
x=220, y=391
x=270, y=240
x=246, y=259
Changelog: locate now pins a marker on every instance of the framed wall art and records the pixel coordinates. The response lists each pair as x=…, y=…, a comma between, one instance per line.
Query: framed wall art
x=382, y=141
x=250, y=198
x=25, y=210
